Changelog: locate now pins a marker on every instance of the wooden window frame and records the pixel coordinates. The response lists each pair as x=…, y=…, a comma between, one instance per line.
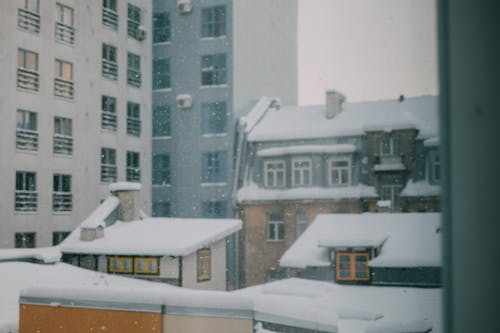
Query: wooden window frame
x=352, y=266
x=204, y=276
x=121, y=260
x=146, y=270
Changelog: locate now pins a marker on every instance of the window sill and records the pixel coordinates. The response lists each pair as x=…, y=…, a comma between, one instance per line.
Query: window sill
x=275, y=240
x=162, y=43
x=65, y=99
x=29, y=91
x=161, y=185
x=220, y=184
x=214, y=135
x=225, y=85
x=58, y=41
x=166, y=137
x=18, y=212
x=210, y=38
x=62, y=156
x=162, y=90
x=70, y=212
x=29, y=152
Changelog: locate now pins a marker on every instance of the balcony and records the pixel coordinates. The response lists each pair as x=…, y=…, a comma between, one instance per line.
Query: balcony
x=134, y=77
x=134, y=126
x=27, y=79
x=63, y=88
x=65, y=33
x=63, y=144
x=110, y=18
x=108, y=173
x=108, y=120
x=26, y=201
x=109, y=69
x=26, y=139
x=62, y=202
x=28, y=21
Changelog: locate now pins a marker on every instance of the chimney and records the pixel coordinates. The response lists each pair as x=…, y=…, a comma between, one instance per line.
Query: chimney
x=128, y=195
x=334, y=103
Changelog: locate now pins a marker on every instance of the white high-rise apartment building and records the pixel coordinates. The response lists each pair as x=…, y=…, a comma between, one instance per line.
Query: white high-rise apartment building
x=75, y=111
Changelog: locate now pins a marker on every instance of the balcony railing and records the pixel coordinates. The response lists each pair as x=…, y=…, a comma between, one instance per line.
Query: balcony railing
x=26, y=201
x=63, y=88
x=108, y=120
x=62, y=202
x=108, y=173
x=134, y=77
x=27, y=20
x=134, y=126
x=26, y=139
x=27, y=79
x=63, y=144
x=109, y=69
x=110, y=18
x=132, y=27
x=65, y=33
x=133, y=174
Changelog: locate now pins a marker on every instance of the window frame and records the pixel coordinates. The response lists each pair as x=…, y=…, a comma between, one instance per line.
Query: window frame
x=108, y=160
x=204, y=264
x=213, y=68
x=214, y=209
x=62, y=197
x=353, y=269
x=275, y=172
x=133, y=69
x=163, y=31
x=275, y=226
x=210, y=25
x=61, y=10
x=214, y=167
x=162, y=79
x=22, y=237
x=109, y=117
x=331, y=169
x=214, y=118
x=121, y=260
x=393, y=144
x=162, y=172
x=162, y=121
x=146, y=270
x=301, y=222
x=302, y=170
x=133, y=118
x=434, y=166
x=133, y=166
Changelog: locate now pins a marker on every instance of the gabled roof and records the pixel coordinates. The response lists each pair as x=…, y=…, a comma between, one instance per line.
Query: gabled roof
x=309, y=122
x=156, y=236
x=411, y=239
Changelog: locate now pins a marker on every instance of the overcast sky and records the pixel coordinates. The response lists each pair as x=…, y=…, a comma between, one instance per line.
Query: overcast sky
x=367, y=49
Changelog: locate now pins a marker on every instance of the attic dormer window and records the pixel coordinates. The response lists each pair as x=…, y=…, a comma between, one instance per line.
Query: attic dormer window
x=352, y=266
x=339, y=171
x=390, y=147
x=274, y=173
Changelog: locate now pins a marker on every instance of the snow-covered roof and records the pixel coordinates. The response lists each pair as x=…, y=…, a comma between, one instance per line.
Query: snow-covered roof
x=156, y=236
x=46, y=255
x=349, y=309
x=252, y=192
x=252, y=118
x=309, y=122
x=307, y=149
x=412, y=239
x=421, y=188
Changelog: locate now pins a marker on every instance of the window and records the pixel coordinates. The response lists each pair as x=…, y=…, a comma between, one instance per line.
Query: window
x=110, y=14
x=26, y=131
x=108, y=113
x=390, y=190
x=389, y=147
x=133, y=167
x=161, y=28
x=161, y=74
x=214, y=209
x=339, y=171
x=204, y=273
x=133, y=119
x=213, y=167
x=108, y=165
x=434, y=167
x=25, y=240
x=213, y=21
x=148, y=265
x=26, y=198
x=62, y=199
x=120, y=265
x=27, y=70
x=65, y=30
x=162, y=121
x=213, y=118
x=213, y=70
x=133, y=20
x=63, y=79
x=133, y=69
x=275, y=226
x=109, y=62
x=301, y=172
x=63, y=136
x=59, y=236
x=274, y=174
x=301, y=222
x=352, y=266
x=161, y=209
x=161, y=169
x=28, y=15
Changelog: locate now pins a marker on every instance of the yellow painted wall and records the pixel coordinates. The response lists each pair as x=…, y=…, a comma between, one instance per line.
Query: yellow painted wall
x=196, y=324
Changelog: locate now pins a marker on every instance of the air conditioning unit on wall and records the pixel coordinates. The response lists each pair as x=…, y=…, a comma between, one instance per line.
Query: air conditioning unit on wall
x=141, y=33
x=184, y=101
x=184, y=6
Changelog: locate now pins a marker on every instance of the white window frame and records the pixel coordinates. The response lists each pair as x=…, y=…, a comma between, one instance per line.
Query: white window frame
x=331, y=168
x=301, y=222
x=275, y=225
x=275, y=172
x=302, y=172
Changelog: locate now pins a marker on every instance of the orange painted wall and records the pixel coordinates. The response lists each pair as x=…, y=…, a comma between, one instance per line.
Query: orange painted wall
x=52, y=319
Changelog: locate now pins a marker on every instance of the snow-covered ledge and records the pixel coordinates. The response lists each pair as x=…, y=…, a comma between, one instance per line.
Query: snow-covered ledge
x=128, y=195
